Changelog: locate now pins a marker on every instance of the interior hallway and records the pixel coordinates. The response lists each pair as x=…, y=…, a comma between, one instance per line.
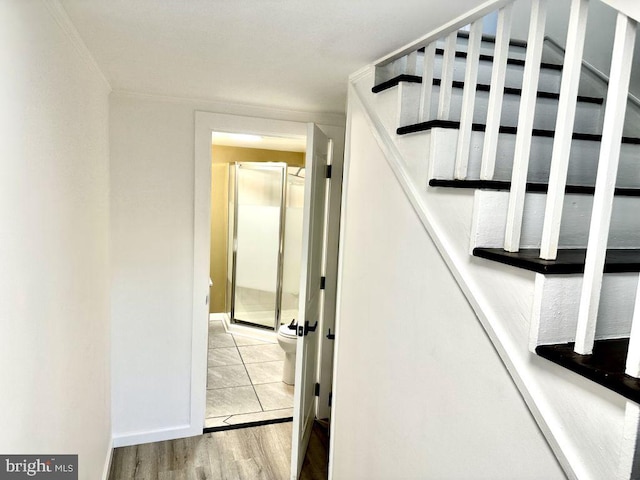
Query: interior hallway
x=257, y=453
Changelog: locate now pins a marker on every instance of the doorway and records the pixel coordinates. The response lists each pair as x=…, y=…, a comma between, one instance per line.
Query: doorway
x=316, y=333
x=257, y=199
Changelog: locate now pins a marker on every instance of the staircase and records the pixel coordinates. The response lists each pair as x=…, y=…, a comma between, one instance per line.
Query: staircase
x=529, y=164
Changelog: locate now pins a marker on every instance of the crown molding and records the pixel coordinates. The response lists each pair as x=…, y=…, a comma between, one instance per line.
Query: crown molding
x=61, y=17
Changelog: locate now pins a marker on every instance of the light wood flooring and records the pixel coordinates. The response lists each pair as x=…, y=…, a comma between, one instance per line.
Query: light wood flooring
x=256, y=453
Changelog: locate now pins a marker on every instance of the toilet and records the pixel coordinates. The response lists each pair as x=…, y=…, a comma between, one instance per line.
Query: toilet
x=287, y=339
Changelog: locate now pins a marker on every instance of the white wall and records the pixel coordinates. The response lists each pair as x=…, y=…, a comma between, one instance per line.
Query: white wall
x=420, y=391
x=599, y=38
x=152, y=233
x=54, y=305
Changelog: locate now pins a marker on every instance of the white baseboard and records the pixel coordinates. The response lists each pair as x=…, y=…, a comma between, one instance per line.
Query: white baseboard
x=180, y=431
x=218, y=316
x=244, y=330
x=107, y=462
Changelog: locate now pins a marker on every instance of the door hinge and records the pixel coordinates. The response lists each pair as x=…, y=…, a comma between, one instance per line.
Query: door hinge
x=328, y=173
x=302, y=331
x=330, y=397
x=323, y=282
x=316, y=390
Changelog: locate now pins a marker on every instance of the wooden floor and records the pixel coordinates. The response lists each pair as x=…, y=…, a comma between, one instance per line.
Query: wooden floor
x=257, y=453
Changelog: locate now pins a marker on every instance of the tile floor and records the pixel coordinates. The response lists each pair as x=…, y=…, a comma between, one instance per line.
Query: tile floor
x=244, y=381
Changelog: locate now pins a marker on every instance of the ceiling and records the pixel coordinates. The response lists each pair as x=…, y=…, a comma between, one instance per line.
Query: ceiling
x=286, y=144
x=285, y=54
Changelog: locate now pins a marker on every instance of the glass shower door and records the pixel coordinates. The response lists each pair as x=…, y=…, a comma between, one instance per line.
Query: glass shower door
x=258, y=243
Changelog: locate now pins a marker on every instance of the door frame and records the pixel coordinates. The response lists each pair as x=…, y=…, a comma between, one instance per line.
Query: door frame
x=205, y=124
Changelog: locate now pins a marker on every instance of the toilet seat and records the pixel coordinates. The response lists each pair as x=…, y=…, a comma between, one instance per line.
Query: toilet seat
x=285, y=331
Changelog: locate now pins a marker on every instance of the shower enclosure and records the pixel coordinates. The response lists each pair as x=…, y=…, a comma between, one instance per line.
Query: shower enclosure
x=265, y=230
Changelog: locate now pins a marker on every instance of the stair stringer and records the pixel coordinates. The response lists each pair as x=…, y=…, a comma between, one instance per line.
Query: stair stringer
x=587, y=446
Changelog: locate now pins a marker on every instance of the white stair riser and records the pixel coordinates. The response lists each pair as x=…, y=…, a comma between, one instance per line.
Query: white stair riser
x=490, y=219
x=556, y=303
x=486, y=48
x=388, y=105
x=549, y=79
x=588, y=115
x=401, y=65
x=582, y=165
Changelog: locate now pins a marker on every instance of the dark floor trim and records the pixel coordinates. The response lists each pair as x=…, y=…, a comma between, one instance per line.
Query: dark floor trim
x=479, y=127
x=568, y=261
x=480, y=87
x=393, y=82
x=260, y=423
x=605, y=366
x=532, y=187
x=251, y=324
x=510, y=61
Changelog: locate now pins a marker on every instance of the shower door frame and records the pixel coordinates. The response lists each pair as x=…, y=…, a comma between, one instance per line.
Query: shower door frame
x=279, y=271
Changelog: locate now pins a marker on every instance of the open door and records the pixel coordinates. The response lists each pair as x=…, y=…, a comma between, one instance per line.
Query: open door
x=313, y=236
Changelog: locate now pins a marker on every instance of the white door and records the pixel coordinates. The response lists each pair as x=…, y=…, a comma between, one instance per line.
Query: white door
x=313, y=235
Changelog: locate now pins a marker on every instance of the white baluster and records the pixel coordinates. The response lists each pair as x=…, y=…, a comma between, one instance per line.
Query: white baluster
x=427, y=81
x=496, y=95
x=614, y=114
x=629, y=451
x=468, y=100
x=531, y=75
x=446, y=79
x=633, y=353
x=564, y=128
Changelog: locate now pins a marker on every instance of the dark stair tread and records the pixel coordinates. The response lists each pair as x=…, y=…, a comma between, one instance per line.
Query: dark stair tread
x=568, y=261
x=480, y=87
x=479, y=127
x=605, y=366
x=393, y=82
x=510, y=61
x=532, y=187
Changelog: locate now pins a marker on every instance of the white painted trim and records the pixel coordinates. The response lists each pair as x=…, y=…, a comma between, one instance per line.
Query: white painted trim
x=614, y=116
x=107, y=462
x=496, y=93
x=61, y=17
x=496, y=332
x=205, y=123
x=629, y=441
x=424, y=109
x=632, y=365
x=357, y=75
x=524, y=135
x=455, y=24
x=180, y=431
x=468, y=100
x=446, y=77
x=340, y=272
x=565, y=121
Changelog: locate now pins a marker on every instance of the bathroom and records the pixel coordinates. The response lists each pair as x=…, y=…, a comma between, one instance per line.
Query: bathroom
x=257, y=186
